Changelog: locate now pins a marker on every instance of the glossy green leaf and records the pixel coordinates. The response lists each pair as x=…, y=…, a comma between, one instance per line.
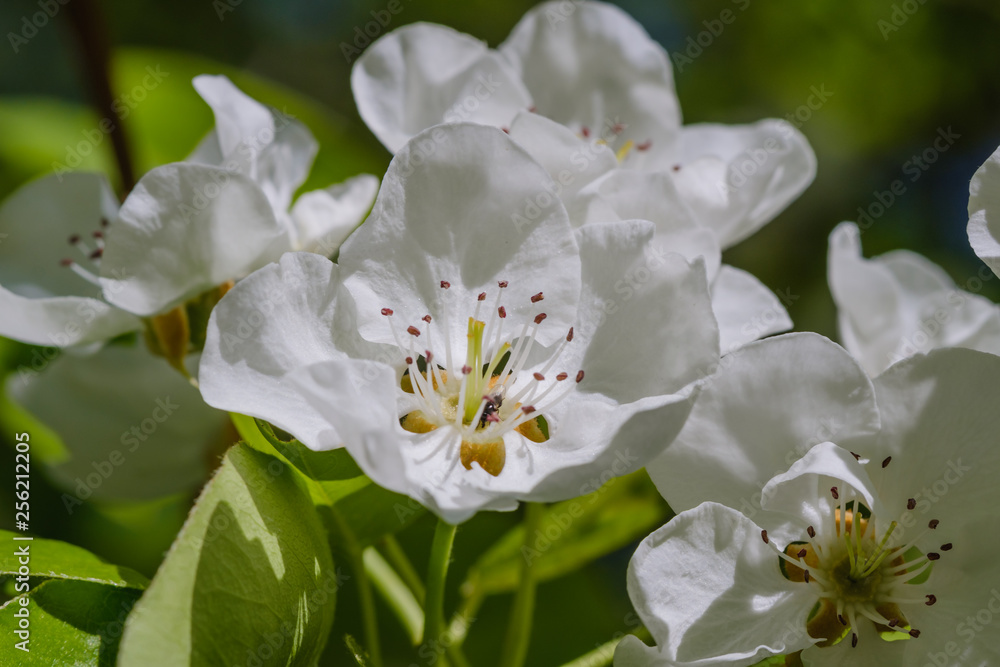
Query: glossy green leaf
x=52, y=559
x=250, y=575
x=68, y=623
x=357, y=510
x=574, y=533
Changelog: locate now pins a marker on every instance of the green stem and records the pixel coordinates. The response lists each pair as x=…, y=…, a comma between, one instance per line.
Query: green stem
x=369, y=619
x=437, y=572
x=519, y=626
x=397, y=557
x=603, y=655
x=395, y=593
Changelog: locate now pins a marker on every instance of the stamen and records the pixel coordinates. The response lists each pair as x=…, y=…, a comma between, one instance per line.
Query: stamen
x=536, y=298
x=886, y=460
x=413, y=331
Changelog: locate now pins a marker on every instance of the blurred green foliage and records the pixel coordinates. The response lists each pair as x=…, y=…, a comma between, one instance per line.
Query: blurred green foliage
x=889, y=92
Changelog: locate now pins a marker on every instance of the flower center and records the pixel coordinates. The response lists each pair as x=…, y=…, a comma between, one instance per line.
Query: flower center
x=87, y=264
x=611, y=137
x=490, y=396
x=860, y=571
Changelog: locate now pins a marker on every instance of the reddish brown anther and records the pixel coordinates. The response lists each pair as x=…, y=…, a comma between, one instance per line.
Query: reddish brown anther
x=466, y=370
x=539, y=317
x=569, y=336
x=538, y=297
x=481, y=297
x=811, y=531
x=946, y=547
x=843, y=621
x=538, y=376
x=74, y=239
x=585, y=131
x=561, y=377
x=931, y=599
x=886, y=461
x=502, y=312
x=528, y=409
x=409, y=360
x=428, y=356
x=933, y=556
x=98, y=234
x=502, y=284
x=97, y=253
x=854, y=640
x=802, y=553
x=933, y=524
x=914, y=633
x=805, y=576
x=763, y=536
x=445, y=284
x=579, y=377
x=644, y=146
x=387, y=311
x=413, y=331
x=65, y=262
x=911, y=503
x=835, y=493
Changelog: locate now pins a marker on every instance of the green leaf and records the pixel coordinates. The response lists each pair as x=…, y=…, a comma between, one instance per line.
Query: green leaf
x=357, y=652
x=52, y=559
x=573, y=533
x=70, y=623
x=357, y=510
x=250, y=575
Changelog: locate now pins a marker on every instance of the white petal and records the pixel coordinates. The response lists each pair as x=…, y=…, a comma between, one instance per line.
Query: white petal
x=769, y=402
x=940, y=415
x=62, y=321
x=627, y=194
x=423, y=74
x=324, y=218
x=134, y=428
x=284, y=316
x=710, y=591
x=737, y=178
x=37, y=221
x=571, y=161
x=793, y=494
x=645, y=315
x=274, y=150
x=984, y=212
x=588, y=65
x=184, y=229
x=465, y=204
x=893, y=306
x=745, y=309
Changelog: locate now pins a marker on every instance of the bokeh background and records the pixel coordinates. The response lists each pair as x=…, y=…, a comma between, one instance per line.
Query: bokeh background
x=893, y=75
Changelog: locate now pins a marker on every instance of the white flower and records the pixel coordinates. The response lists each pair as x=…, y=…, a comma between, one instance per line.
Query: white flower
x=898, y=304
x=443, y=280
x=871, y=548
x=984, y=212
x=77, y=270
x=595, y=75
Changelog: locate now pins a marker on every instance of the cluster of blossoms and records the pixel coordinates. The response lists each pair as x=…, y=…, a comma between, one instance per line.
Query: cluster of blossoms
x=537, y=295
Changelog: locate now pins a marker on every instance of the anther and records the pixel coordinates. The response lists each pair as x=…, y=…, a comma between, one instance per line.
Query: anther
x=409, y=361
x=843, y=621
x=893, y=622
x=835, y=493
x=428, y=356
x=569, y=336
x=502, y=312
x=413, y=331
x=946, y=547
x=933, y=524
x=561, y=377
x=539, y=317
x=763, y=536
x=644, y=146
x=579, y=377
x=854, y=640
x=426, y=318
x=74, y=239
x=618, y=128
x=676, y=167
x=911, y=503
x=585, y=131
x=104, y=222
x=802, y=553
x=857, y=457
x=805, y=576
x=65, y=262
x=527, y=409
x=931, y=599
x=811, y=531
x=933, y=556
x=466, y=370
x=538, y=376
x=502, y=284
x=538, y=297
x=481, y=297
x=98, y=234
x=97, y=253
x=387, y=311
x=914, y=633
x=886, y=461
x=445, y=284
